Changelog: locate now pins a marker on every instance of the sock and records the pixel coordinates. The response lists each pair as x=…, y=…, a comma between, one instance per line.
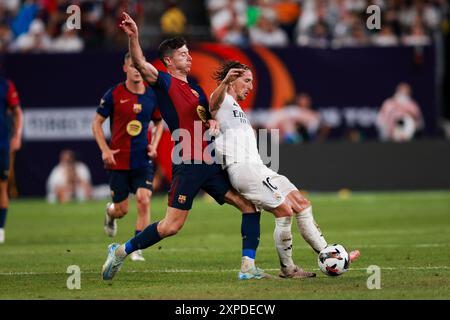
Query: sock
x=310, y=230
x=283, y=241
x=247, y=263
x=136, y=232
x=148, y=237
x=250, y=231
x=3, y=212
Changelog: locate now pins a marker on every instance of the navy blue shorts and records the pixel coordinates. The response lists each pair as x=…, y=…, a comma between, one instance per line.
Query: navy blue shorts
x=188, y=179
x=124, y=182
x=4, y=164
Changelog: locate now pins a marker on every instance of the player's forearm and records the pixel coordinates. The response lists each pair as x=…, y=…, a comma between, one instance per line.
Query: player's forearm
x=217, y=97
x=147, y=70
x=157, y=134
x=18, y=122
x=99, y=136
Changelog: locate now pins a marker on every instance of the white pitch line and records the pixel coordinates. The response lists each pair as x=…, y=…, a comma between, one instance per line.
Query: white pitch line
x=25, y=273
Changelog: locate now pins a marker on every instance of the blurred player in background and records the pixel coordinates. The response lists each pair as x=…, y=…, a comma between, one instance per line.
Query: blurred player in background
x=268, y=190
x=184, y=106
x=130, y=105
x=10, y=138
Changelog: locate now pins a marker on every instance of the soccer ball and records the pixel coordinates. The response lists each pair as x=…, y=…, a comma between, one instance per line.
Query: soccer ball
x=333, y=260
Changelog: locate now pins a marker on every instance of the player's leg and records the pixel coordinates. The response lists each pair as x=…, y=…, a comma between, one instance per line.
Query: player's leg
x=119, y=185
x=4, y=200
x=142, y=186
x=181, y=194
x=307, y=226
x=219, y=187
x=272, y=198
x=169, y=226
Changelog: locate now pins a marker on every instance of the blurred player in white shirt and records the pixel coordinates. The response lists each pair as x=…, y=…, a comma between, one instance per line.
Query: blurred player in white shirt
x=236, y=146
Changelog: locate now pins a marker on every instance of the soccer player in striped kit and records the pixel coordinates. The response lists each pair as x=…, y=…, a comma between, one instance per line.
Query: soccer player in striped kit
x=130, y=105
x=184, y=107
x=9, y=109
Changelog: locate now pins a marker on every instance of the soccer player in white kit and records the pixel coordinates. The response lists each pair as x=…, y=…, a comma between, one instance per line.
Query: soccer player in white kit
x=236, y=146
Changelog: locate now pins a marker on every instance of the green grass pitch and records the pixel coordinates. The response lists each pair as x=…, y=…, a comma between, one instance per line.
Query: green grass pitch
x=406, y=234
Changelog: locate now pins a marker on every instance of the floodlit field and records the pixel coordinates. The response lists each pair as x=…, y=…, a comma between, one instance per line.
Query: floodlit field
x=406, y=234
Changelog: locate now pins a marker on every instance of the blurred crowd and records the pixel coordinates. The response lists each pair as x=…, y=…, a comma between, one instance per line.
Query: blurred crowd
x=398, y=119
x=325, y=23
x=40, y=25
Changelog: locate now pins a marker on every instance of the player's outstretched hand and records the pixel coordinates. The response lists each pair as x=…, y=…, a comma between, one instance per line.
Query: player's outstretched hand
x=108, y=157
x=152, y=153
x=233, y=74
x=128, y=25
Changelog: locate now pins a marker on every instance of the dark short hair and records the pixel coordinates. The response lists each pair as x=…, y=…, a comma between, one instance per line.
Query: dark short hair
x=221, y=73
x=126, y=57
x=168, y=46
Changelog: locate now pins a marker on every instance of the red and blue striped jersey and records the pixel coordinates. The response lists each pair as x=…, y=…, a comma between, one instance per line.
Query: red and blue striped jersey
x=130, y=115
x=9, y=99
x=183, y=106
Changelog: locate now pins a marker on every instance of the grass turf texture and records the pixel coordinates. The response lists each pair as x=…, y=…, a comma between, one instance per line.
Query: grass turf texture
x=406, y=234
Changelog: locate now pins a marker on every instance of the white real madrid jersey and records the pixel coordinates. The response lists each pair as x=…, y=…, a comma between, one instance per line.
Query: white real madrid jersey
x=236, y=142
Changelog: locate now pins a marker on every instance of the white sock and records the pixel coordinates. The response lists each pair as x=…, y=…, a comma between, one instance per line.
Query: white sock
x=283, y=240
x=247, y=263
x=310, y=230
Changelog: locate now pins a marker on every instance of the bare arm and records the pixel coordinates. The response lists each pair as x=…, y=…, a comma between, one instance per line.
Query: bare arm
x=16, y=140
x=156, y=138
x=97, y=130
x=219, y=93
x=148, y=72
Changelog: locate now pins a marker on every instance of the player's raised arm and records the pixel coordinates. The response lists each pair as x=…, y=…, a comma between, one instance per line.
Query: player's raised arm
x=148, y=72
x=219, y=94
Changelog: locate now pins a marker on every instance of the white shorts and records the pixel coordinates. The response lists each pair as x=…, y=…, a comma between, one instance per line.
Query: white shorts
x=262, y=186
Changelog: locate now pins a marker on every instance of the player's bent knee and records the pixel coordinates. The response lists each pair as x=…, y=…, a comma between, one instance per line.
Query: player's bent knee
x=299, y=202
x=283, y=210
x=143, y=196
x=121, y=211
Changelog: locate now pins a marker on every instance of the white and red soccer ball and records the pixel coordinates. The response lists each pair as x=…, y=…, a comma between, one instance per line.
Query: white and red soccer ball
x=333, y=260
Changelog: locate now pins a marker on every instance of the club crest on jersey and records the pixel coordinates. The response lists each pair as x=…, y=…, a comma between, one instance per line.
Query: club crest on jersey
x=182, y=198
x=195, y=93
x=137, y=108
x=202, y=114
x=134, y=127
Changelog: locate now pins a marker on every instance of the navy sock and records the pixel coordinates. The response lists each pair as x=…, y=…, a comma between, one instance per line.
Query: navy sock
x=136, y=232
x=3, y=212
x=250, y=230
x=148, y=237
